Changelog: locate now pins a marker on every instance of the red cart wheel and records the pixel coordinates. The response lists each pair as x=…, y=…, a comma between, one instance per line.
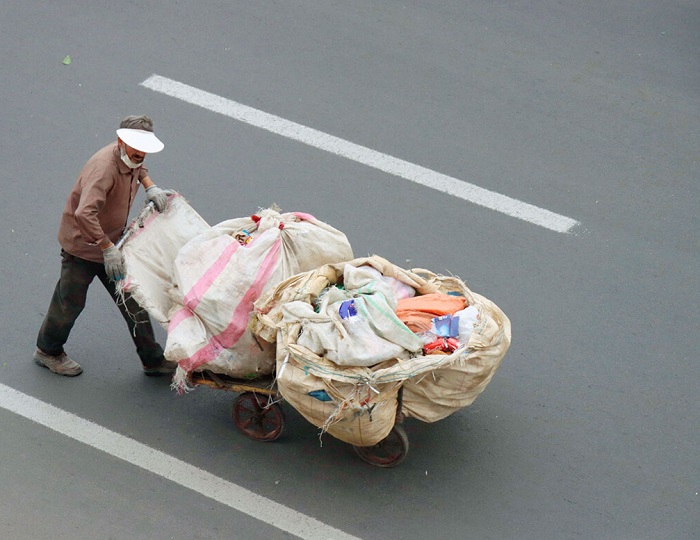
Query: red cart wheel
x=256, y=418
x=388, y=452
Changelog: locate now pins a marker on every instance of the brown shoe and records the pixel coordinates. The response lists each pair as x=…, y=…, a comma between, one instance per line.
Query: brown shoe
x=164, y=368
x=61, y=364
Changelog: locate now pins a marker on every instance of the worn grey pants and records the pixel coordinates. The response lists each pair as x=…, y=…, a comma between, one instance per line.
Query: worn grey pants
x=69, y=299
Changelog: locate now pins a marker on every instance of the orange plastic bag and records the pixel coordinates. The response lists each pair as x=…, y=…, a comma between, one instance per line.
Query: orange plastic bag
x=418, y=312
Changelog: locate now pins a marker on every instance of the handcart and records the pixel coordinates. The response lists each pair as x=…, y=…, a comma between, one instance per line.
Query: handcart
x=257, y=413
x=257, y=410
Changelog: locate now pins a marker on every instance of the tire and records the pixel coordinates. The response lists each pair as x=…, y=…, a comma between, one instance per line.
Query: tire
x=388, y=452
x=256, y=418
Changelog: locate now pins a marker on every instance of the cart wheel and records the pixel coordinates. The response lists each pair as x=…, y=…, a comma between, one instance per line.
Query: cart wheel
x=388, y=452
x=256, y=418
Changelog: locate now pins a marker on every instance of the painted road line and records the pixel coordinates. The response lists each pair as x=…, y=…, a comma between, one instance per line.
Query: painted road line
x=372, y=158
x=168, y=467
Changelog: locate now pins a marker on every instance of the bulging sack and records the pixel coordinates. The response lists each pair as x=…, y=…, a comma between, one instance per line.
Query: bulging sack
x=357, y=403
x=151, y=243
x=219, y=274
x=199, y=282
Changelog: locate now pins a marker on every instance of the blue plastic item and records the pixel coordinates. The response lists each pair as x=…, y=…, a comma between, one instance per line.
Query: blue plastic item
x=446, y=326
x=320, y=395
x=347, y=309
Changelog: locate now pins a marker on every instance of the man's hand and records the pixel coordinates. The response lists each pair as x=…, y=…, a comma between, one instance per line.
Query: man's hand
x=159, y=197
x=114, y=263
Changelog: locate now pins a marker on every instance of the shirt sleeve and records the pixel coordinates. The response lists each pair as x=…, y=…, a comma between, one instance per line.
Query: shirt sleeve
x=96, y=186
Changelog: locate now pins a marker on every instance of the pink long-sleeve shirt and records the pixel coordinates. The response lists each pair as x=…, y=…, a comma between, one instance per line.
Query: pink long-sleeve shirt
x=98, y=206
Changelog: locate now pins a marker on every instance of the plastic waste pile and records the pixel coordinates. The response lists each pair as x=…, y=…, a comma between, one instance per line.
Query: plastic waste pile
x=351, y=335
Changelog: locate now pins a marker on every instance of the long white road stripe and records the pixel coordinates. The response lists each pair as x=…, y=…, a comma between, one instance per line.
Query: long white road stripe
x=398, y=167
x=164, y=465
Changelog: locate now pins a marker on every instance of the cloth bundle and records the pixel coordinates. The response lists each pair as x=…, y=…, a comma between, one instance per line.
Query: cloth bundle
x=343, y=352
x=355, y=325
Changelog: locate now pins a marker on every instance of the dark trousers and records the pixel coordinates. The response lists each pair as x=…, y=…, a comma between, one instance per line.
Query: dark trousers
x=68, y=302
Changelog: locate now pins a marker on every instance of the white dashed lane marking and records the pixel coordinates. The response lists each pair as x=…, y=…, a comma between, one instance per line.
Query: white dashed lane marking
x=169, y=467
x=367, y=156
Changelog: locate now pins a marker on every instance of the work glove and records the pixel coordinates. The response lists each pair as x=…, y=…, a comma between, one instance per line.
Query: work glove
x=159, y=197
x=114, y=263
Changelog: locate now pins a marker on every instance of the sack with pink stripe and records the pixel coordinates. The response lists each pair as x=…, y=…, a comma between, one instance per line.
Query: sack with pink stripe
x=220, y=273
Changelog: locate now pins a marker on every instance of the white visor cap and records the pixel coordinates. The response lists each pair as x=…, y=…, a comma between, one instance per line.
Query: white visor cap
x=141, y=140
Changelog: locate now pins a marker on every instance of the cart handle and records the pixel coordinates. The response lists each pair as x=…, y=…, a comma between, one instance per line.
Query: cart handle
x=147, y=210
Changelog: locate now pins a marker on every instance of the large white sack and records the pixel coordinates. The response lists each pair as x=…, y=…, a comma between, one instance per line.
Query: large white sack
x=185, y=274
x=219, y=274
x=151, y=243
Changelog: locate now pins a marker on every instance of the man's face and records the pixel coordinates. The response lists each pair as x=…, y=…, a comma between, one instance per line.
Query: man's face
x=134, y=155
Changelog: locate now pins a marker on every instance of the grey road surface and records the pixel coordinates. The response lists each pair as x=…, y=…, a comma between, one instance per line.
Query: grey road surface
x=588, y=109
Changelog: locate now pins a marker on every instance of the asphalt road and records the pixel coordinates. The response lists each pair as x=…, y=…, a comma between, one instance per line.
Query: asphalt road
x=588, y=109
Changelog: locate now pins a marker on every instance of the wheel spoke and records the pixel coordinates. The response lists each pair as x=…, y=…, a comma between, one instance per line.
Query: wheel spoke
x=245, y=424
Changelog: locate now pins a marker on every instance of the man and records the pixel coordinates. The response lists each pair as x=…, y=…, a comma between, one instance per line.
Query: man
x=94, y=218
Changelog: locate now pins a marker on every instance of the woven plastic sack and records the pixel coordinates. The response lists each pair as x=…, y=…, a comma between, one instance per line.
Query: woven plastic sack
x=149, y=245
x=358, y=404
x=219, y=274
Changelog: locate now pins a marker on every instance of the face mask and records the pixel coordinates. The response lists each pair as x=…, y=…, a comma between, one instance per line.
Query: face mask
x=128, y=161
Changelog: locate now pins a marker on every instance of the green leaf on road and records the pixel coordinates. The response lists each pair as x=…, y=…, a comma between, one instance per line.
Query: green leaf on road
x=67, y=60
